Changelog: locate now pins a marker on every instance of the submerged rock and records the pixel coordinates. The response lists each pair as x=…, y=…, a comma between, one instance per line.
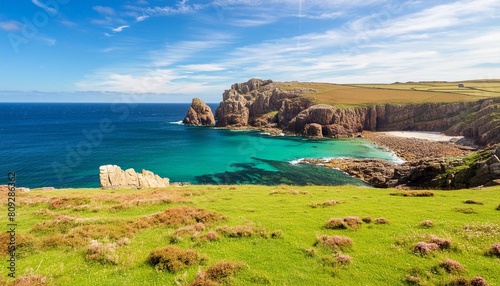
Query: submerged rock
x=112, y=176
x=199, y=114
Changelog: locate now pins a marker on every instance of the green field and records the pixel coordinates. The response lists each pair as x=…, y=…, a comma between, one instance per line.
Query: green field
x=399, y=93
x=269, y=233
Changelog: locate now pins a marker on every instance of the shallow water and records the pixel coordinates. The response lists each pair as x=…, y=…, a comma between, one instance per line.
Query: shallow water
x=63, y=145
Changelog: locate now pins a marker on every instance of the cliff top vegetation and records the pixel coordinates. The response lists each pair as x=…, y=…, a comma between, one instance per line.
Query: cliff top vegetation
x=398, y=93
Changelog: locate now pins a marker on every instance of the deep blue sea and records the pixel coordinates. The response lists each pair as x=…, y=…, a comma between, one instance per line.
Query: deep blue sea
x=63, y=145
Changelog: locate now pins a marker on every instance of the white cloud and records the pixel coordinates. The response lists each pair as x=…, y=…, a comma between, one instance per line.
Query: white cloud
x=119, y=29
x=44, y=6
x=104, y=10
x=10, y=26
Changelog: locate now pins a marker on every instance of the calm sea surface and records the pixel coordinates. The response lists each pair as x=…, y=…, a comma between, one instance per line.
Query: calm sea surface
x=63, y=145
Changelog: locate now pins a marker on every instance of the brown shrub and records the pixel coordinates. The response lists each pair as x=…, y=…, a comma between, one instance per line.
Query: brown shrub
x=426, y=223
x=452, y=266
x=334, y=242
x=241, y=231
x=102, y=253
x=478, y=281
x=335, y=223
x=459, y=281
x=413, y=194
x=324, y=204
x=381, y=220
x=424, y=248
x=353, y=221
x=473, y=202
x=210, y=236
x=343, y=259
x=494, y=250
x=367, y=219
x=30, y=280
x=278, y=233
x=179, y=216
x=190, y=229
x=217, y=273
x=311, y=252
x=441, y=242
x=23, y=242
x=465, y=210
x=173, y=259
x=68, y=202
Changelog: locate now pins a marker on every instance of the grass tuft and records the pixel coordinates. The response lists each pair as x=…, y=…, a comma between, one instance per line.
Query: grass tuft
x=473, y=202
x=478, y=281
x=443, y=243
x=68, y=202
x=333, y=242
x=324, y=204
x=335, y=223
x=425, y=248
x=367, y=219
x=179, y=216
x=494, y=250
x=413, y=194
x=102, y=253
x=353, y=222
x=381, y=220
x=210, y=236
x=31, y=280
x=452, y=266
x=217, y=273
x=465, y=210
x=427, y=223
x=173, y=259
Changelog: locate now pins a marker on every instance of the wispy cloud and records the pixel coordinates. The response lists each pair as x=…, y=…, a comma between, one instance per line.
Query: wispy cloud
x=44, y=6
x=10, y=26
x=104, y=10
x=119, y=29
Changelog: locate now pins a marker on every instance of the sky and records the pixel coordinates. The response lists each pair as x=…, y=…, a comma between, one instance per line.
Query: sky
x=172, y=51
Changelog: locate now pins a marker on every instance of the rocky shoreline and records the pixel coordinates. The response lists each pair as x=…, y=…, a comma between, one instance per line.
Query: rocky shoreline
x=429, y=165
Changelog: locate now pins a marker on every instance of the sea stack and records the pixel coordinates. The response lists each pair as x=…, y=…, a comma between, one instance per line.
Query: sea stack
x=199, y=114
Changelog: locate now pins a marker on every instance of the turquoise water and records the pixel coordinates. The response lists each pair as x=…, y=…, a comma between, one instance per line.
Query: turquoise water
x=63, y=145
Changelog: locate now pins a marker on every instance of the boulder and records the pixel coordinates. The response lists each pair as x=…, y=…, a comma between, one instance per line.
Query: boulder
x=199, y=114
x=313, y=130
x=112, y=176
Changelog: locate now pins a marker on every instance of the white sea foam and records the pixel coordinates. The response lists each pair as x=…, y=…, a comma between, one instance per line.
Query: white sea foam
x=177, y=122
x=296, y=162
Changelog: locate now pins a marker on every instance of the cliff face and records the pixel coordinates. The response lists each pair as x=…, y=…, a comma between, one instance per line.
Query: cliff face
x=264, y=103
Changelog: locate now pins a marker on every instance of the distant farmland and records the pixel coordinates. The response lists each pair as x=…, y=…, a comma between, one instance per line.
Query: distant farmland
x=399, y=93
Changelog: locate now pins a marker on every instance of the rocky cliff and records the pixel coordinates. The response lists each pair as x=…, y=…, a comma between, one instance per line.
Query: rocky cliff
x=199, y=113
x=112, y=176
x=264, y=103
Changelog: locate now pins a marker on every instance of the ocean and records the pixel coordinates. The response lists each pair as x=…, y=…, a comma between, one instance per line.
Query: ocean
x=62, y=145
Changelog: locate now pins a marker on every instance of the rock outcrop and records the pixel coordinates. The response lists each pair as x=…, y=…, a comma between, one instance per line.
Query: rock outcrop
x=428, y=173
x=199, y=113
x=112, y=176
x=264, y=103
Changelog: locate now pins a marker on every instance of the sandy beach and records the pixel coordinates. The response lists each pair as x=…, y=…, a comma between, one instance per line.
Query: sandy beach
x=413, y=146
x=432, y=136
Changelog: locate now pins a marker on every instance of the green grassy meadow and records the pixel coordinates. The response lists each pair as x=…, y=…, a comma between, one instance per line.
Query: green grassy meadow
x=271, y=231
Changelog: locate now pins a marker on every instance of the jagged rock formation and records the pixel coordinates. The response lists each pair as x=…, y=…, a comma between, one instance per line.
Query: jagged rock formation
x=264, y=103
x=199, y=113
x=112, y=176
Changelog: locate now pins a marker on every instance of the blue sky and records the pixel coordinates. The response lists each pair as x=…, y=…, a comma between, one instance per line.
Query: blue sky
x=171, y=51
